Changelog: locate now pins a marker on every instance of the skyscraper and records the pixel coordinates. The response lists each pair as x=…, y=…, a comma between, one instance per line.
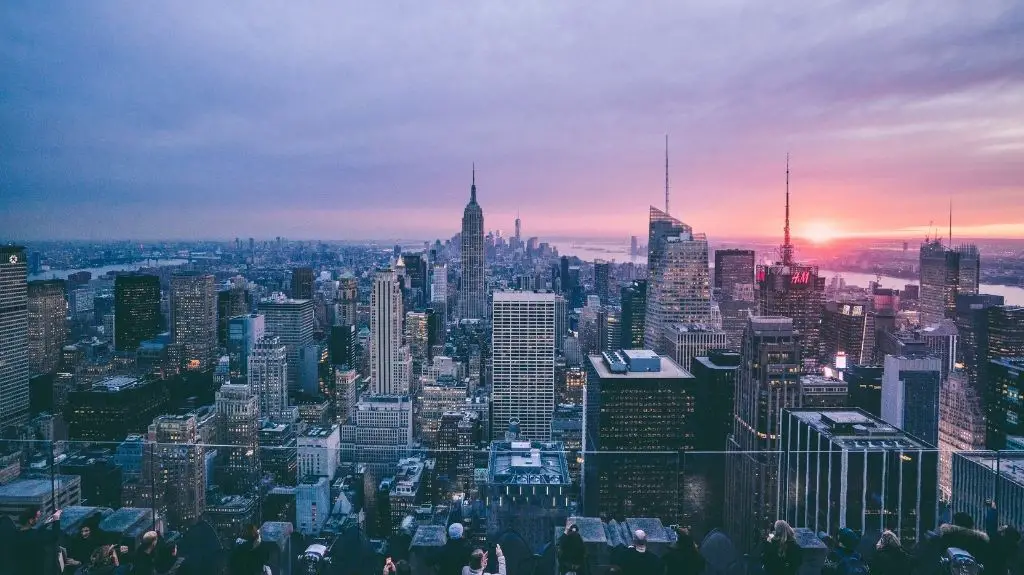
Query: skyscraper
x=194, y=319
x=846, y=327
x=416, y=272
x=239, y=413
x=13, y=336
x=348, y=299
x=790, y=289
x=292, y=321
x=961, y=425
x=243, y=333
x=136, y=310
x=1005, y=408
x=268, y=375
x=385, y=334
x=473, y=294
x=47, y=325
x=768, y=382
x=601, y=280
x=845, y=468
x=972, y=326
x=302, y=283
x=945, y=274
x=631, y=466
x=634, y=308
x=910, y=395
x=231, y=302
x=679, y=283
x=418, y=338
x=734, y=268
x=179, y=456
x=523, y=362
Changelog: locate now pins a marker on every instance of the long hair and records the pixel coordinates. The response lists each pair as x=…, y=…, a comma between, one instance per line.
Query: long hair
x=888, y=539
x=781, y=535
x=102, y=556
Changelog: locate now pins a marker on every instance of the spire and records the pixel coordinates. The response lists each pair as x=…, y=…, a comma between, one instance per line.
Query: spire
x=787, y=246
x=472, y=189
x=666, y=174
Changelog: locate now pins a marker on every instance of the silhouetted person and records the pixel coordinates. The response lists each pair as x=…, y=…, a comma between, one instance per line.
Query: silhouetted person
x=81, y=547
x=249, y=554
x=455, y=553
x=572, y=553
x=890, y=558
x=105, y=561
x=144, y=558
x=684, y=558
x=781, y=555
x=34, y=550
x=167, y=561
x=1007, y=558
x=844, y=559
x=400, y=567
x=478, y=562
x=637, y=560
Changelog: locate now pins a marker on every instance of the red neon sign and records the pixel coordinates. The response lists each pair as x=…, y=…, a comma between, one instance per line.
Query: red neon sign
x=760, y=274
x=801, y=278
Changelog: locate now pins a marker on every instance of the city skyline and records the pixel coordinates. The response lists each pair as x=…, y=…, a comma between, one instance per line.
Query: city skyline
x=182, y=125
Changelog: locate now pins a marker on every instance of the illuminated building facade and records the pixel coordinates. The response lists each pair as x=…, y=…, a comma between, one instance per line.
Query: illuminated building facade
x=945, y=274
x=47, y=325
x=194, y=319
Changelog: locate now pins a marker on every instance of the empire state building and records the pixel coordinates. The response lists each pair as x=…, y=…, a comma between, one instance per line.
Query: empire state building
x=474, y=296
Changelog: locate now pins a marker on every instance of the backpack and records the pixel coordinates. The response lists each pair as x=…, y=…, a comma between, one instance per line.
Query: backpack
x=960, y=562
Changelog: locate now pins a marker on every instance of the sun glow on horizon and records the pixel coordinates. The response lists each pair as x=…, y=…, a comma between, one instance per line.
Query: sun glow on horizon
x=820, y=232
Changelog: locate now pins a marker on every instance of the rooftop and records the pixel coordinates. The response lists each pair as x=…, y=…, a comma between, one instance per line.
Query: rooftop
x=117, y=383
x=527, y=463
x=523, y=296
x=320, y=432
x=855, y=429
x=622, y=365
x=36, y=487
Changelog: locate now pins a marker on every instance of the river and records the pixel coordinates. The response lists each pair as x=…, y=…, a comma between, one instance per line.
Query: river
x=99, y=271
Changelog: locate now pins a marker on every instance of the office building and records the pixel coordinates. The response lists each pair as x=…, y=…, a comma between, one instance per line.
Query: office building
x=136, y=310
x=528, y=489
x=302, y=283
x=679, y=283
x=292, y=321
x=946, y=272
x=848, y=329
x=734, y=268
x=823, y=392
x=194, y=319
x=278, y=451
x=180, y=459
x=238, y=411
x=14, y=372
x=418, y=338
x=383, y=430
x=342, y=346
x=794, y=291
x=980, y=477
x=684, y=342
x=231, y=302
x=561, y=322
x=638, y=414
x=408, y=489
x=243, y=333
x=1005, y=406
x=343, y=394
x=386, y=334
x=348, y=300
x=602, y=271
x=865, y=385
x=439, y=292
x=47, y=311
x=230, y=514
x=416, y=278
x=943, y=341
x=910, y=396
x=48, y=494
x=268, y=376
x=567, y=429
x=437, y=396
x=312, y=505
x=319, y=451
x=716, y=376
x=473, y=293
x=972, y=326
x=523, y=361
x=767, y=383
x=113, y=408
x=735, y=314
x=845, y=468
x=961, y=425
x=459, y=438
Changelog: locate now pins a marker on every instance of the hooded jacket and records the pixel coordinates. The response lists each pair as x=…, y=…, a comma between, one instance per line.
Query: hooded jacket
x=970, y=540
x=466, y=570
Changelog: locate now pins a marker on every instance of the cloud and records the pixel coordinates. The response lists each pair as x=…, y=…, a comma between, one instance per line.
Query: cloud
x=153, y=117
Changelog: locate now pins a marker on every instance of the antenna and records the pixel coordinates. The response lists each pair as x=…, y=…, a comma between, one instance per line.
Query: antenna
x=787, y=246
x=666, y=174
x=951, y=222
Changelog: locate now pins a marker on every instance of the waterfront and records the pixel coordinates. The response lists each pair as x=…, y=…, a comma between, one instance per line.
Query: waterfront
x=102, y=270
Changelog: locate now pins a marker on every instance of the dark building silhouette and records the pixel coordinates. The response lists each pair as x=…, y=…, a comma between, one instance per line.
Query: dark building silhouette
x=732, y=268
x=1005, y=341
x=114, y=408
x=865, y=384
x=634, y=304
x=847, y=328
x=639, y=413
x=342, y=345
x=136, y=310
x=231, y=303
x=416, y=278
x=601, y=279
x=716, y=382
x=1005, y=408
x=972, y=325
x=302, y=283
x=47, y=325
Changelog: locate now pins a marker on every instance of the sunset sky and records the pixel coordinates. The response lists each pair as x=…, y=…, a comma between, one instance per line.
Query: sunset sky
x=348, y=120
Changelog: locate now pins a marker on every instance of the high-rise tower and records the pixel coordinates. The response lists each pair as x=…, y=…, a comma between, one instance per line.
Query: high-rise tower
x=794, y=290
x=292, y=321
x=136, y=310
x=386, y=335
x=47, y=324
x=474, y=295
x=13, y=336
x=194, y=319
x=945, y=274
x=679, y=278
